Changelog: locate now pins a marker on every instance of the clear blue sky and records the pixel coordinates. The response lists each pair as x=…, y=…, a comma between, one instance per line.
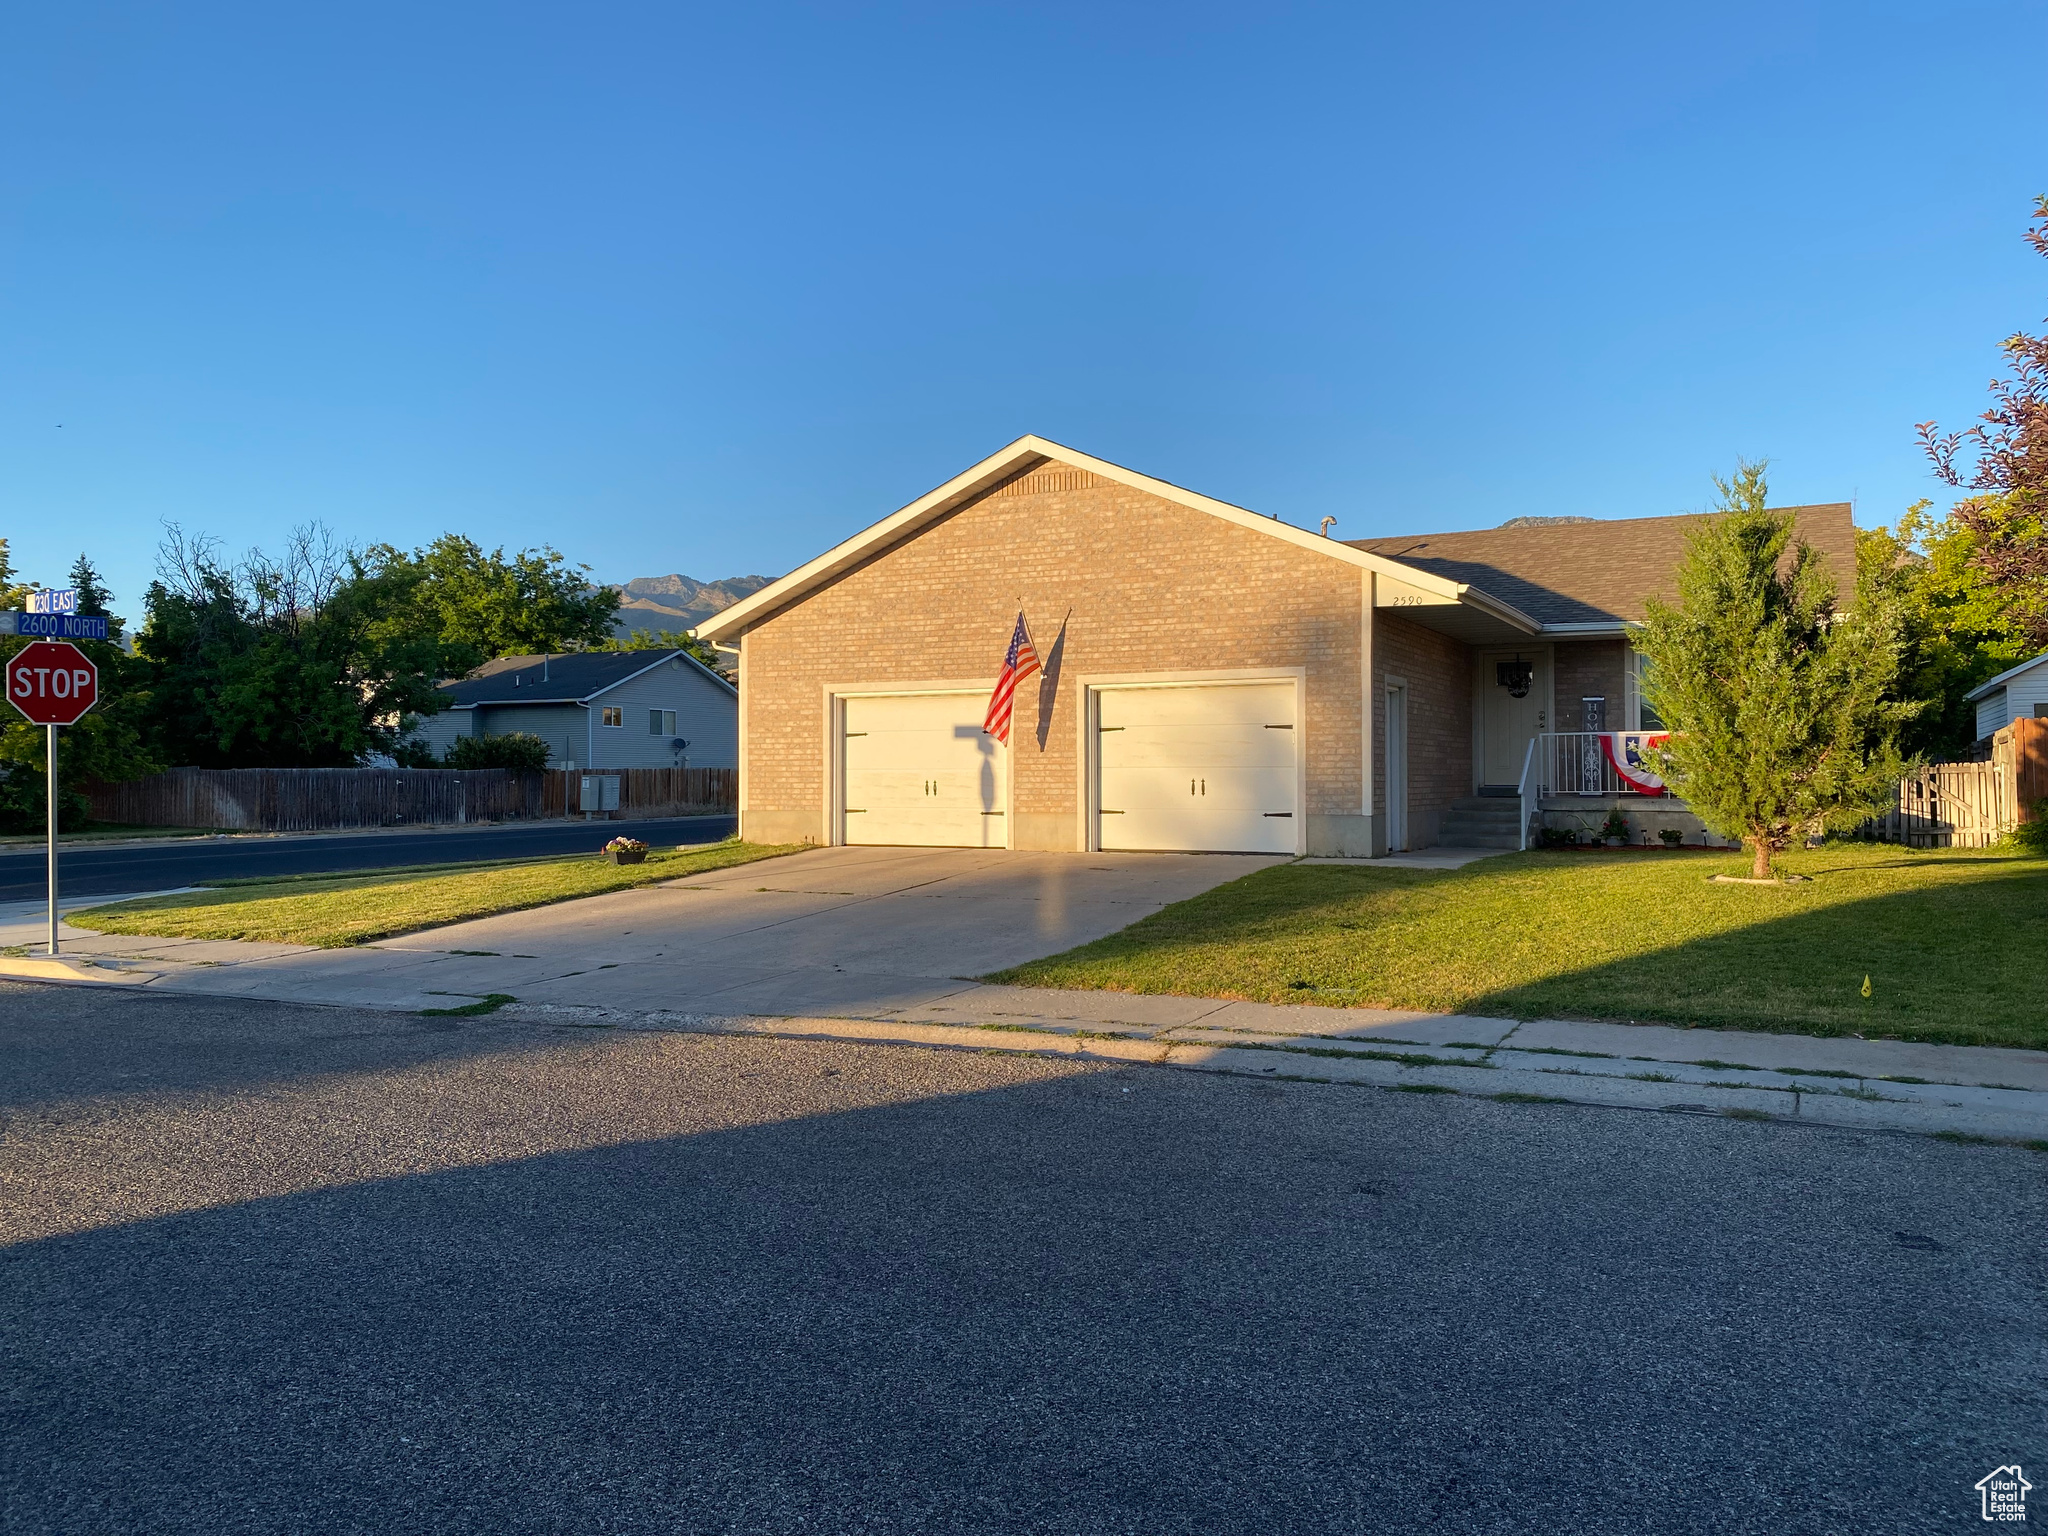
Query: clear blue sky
x=707, y=290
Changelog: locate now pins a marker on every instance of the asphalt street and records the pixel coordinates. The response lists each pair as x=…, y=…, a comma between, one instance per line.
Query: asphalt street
x=88, y=870
x=270, y=1269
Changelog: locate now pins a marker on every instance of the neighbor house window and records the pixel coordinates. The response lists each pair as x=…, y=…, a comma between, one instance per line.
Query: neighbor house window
x=661, y=722
x=615, y=717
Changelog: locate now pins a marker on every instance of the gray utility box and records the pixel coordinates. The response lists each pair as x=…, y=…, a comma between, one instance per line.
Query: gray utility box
x=599, y=792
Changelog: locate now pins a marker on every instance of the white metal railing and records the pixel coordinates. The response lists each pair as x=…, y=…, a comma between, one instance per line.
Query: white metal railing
x=1530, y=796
x=1572, y=763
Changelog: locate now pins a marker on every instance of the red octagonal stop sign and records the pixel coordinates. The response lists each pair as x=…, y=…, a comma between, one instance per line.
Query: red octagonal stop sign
x=52, y=683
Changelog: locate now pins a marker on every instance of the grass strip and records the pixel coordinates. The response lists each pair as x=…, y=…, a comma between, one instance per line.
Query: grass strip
x=1955, y=942
x=336, y=911
x=490, y=1002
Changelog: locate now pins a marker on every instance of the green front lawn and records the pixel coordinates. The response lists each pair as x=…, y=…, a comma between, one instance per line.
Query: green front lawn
x=333, y=911
x=1955, y=942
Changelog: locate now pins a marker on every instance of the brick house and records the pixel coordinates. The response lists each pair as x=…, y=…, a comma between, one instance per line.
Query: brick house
x=1214, y=679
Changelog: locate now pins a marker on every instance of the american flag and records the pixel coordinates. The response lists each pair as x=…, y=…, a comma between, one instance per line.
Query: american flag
x=1018, y=665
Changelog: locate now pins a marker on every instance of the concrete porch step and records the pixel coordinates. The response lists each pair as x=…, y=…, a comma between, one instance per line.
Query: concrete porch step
x=1482, y=821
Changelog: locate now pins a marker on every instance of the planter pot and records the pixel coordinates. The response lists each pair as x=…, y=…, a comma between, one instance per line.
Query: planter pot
x=1612, y=842
x=626, y=855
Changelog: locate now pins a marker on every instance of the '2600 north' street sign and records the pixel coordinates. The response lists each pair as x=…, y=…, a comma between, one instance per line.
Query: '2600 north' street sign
x=52, y=683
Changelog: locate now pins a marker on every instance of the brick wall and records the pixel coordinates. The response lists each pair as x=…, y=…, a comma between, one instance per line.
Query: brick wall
x=1438, y=672
x=1586, y=668
x=1152, y=586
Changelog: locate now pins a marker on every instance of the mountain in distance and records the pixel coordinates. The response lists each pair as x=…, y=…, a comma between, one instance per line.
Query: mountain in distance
x=673, y=603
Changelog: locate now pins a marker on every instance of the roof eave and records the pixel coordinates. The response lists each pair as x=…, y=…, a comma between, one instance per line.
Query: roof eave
x=999, y=466
x=1602, y=629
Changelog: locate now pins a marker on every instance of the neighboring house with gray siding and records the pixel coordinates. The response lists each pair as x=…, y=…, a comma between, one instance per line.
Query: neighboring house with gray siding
x=598, y=709
x=2012, y=695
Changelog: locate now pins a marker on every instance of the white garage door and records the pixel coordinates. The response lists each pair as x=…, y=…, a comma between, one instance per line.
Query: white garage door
x=918, y=769
x=1209, y=767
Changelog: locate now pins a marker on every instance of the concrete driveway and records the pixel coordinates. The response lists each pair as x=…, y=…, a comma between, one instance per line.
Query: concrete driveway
x=862, y=930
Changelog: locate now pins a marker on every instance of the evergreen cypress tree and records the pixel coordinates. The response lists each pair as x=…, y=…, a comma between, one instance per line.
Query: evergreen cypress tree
x=1780, y=704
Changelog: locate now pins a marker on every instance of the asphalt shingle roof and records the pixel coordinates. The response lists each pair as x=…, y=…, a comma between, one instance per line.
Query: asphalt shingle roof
x=1598, y=571
x=565, y=679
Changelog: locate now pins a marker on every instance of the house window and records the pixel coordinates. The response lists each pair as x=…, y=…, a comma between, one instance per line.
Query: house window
x=615, y=717
x=1641, y=716
x=661, y=722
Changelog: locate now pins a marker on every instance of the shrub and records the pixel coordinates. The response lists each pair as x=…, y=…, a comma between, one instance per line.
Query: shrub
x=519, y=750
x=2032, y=835
x=1557, y=837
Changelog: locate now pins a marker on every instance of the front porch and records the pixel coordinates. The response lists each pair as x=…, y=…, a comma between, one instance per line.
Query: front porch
x=1571, y=782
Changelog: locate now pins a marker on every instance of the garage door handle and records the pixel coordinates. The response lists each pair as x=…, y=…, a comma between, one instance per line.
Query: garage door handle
x=985, y=813
x=1109, y=727
x=1279, y=727
x=856, y=810
x=1283, y=815
x=856, y=733
x=1109, y=813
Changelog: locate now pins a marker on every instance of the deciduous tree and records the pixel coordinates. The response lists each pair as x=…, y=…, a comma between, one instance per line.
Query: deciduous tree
x=2007, y=465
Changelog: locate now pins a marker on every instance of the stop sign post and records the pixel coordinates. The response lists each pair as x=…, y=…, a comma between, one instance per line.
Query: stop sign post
x=54, y=684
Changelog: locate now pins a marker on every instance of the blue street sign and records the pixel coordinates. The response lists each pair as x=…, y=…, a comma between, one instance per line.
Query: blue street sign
x=52, y=626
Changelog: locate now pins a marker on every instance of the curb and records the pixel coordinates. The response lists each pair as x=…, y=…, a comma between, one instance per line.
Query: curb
x=28, y=968
x=1359, y=1068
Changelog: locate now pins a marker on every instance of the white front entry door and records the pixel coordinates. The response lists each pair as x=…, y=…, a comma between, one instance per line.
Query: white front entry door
x=1507, y=723
x=917, y=768
x=1208, y=767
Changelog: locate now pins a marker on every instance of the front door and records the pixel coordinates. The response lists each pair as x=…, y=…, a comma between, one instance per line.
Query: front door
x=1506, y=723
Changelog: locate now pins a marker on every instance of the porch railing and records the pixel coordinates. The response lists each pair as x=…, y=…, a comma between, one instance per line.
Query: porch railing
x=1572, y=763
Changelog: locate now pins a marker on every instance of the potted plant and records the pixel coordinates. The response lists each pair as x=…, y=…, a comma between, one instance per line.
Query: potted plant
x=1614, y=830
x=1671, y=837
x=626, y=850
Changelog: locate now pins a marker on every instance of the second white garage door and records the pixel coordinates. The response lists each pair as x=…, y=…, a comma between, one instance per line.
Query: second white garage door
x=1209, y=767
x=918, y=769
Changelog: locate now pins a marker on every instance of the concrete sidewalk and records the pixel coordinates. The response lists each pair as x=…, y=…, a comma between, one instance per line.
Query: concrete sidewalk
x=1975, y=1091
x=879, y=944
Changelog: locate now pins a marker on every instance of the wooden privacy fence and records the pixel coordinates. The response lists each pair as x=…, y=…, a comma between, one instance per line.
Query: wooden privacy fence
x=646, y=791
x=319, y=799
x=337, y=799
x=1972, y=805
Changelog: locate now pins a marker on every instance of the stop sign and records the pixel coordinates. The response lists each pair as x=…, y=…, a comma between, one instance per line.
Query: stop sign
x=52, y=683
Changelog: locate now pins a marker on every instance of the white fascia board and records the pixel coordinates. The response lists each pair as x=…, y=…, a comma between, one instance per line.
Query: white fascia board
x=1618, y=630
x=1031, y=449
x=664, y=658
x=843, y=556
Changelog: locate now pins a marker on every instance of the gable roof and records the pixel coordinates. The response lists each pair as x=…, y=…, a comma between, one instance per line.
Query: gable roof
x=575, y=677
x=1596, y=571
x=1457, y=606
x=1993, y=684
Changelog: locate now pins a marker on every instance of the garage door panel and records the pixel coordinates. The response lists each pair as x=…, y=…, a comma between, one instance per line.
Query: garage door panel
x=918, y=770
x=1180, y=830
x=1263, y=788
x=1206, y=707
x=1204, y=767
x=1190, y=747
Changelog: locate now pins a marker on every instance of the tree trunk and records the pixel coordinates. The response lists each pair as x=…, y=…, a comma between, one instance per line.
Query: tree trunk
x=1761, y=870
